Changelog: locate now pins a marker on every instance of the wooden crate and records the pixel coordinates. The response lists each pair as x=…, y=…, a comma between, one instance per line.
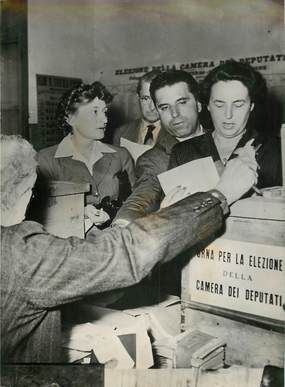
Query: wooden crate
x=60, y=208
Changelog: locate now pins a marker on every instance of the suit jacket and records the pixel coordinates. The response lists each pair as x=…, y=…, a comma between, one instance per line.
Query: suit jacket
x=41, y=272
x=268, y=156
x=130, y=131
x=105, y=178
x=147, y=192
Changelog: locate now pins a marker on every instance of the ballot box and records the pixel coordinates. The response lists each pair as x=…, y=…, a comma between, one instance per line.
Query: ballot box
x=234, y=288
x=59, y=206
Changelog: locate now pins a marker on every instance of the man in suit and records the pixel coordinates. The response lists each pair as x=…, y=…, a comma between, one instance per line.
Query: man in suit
x=144, y=130
x=40, y=272
x=175, y=95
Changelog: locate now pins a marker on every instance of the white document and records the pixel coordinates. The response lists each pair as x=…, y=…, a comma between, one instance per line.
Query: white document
x=136, y=150
x=197, y=175
x=144, y=357
x=104, y=342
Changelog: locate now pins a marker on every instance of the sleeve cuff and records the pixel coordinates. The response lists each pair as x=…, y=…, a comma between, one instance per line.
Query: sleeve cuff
x=222, y=199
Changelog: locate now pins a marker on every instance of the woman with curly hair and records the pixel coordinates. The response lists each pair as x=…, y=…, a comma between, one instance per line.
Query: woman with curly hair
x=82, y=158
x=18, y=176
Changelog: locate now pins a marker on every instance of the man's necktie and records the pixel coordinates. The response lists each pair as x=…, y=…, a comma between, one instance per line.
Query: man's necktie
x=149, y=135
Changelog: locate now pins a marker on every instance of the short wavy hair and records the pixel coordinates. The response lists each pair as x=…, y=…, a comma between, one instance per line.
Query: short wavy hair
x=77, y=96
x=234, y=71
x=18, y=164
x=171, y=77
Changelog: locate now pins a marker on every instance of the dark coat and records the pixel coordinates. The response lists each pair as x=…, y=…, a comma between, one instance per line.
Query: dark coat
x=147, y=192
x=268, y=156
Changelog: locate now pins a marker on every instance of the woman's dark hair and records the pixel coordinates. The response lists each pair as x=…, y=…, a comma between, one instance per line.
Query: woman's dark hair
x=234, y=71
x=251, y=79
x=169, y=78
x=82, y=94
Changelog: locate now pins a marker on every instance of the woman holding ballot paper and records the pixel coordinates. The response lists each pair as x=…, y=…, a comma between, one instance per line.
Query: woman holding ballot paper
x=231, y=92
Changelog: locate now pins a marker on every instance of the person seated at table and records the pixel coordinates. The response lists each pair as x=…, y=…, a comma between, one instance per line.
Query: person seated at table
x=82, y=158
x=231, y=92
x=41, y=272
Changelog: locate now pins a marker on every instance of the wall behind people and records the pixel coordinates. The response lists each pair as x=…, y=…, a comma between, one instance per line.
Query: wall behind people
x=96, y=39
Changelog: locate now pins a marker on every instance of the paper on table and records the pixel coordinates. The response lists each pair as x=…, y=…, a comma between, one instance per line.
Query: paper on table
x=109, y=349
x=99, y=336
x=144, y=357
x=197, y=175
x=102, y=340
x=136, y=150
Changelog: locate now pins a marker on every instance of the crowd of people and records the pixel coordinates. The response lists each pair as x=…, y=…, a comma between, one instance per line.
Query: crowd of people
x=40, y=272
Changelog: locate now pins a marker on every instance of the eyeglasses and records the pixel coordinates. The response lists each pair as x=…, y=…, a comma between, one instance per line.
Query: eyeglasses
x=145, y=98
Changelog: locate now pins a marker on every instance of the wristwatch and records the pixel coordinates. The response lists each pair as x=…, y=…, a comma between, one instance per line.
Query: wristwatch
x=222, y=199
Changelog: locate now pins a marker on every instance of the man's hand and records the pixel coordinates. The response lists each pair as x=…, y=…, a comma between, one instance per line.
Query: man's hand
x=96, y=216
x=239, y=175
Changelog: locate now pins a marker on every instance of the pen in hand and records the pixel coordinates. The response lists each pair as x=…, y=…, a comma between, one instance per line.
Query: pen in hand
x=254, y=187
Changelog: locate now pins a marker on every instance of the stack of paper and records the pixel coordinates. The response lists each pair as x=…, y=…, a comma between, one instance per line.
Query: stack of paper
x=190, y=349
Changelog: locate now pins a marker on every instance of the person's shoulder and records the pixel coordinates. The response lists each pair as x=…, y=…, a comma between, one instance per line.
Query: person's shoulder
x=194, y=141
x=49, y=151
x=118, y=154
x=154, y=156
x=155, y=151
x=116, y=150
x=23, y=230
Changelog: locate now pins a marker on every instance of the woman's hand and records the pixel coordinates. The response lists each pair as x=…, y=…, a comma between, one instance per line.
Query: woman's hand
x=96, y=216
x=247, y=154
x=239, y=175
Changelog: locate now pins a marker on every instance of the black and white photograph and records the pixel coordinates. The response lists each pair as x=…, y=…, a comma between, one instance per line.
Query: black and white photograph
x=142, y=193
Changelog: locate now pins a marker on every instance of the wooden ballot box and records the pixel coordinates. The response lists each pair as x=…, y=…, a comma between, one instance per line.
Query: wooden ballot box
x=235, y=287
x=60, y=208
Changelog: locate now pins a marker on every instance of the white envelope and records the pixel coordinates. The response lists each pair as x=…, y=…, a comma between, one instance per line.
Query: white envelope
x=197, y=175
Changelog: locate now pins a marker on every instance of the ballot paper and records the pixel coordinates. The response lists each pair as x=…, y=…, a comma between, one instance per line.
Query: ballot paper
x=117, y=339
x=198, y=175
x=101, y=339
x=135, y=149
